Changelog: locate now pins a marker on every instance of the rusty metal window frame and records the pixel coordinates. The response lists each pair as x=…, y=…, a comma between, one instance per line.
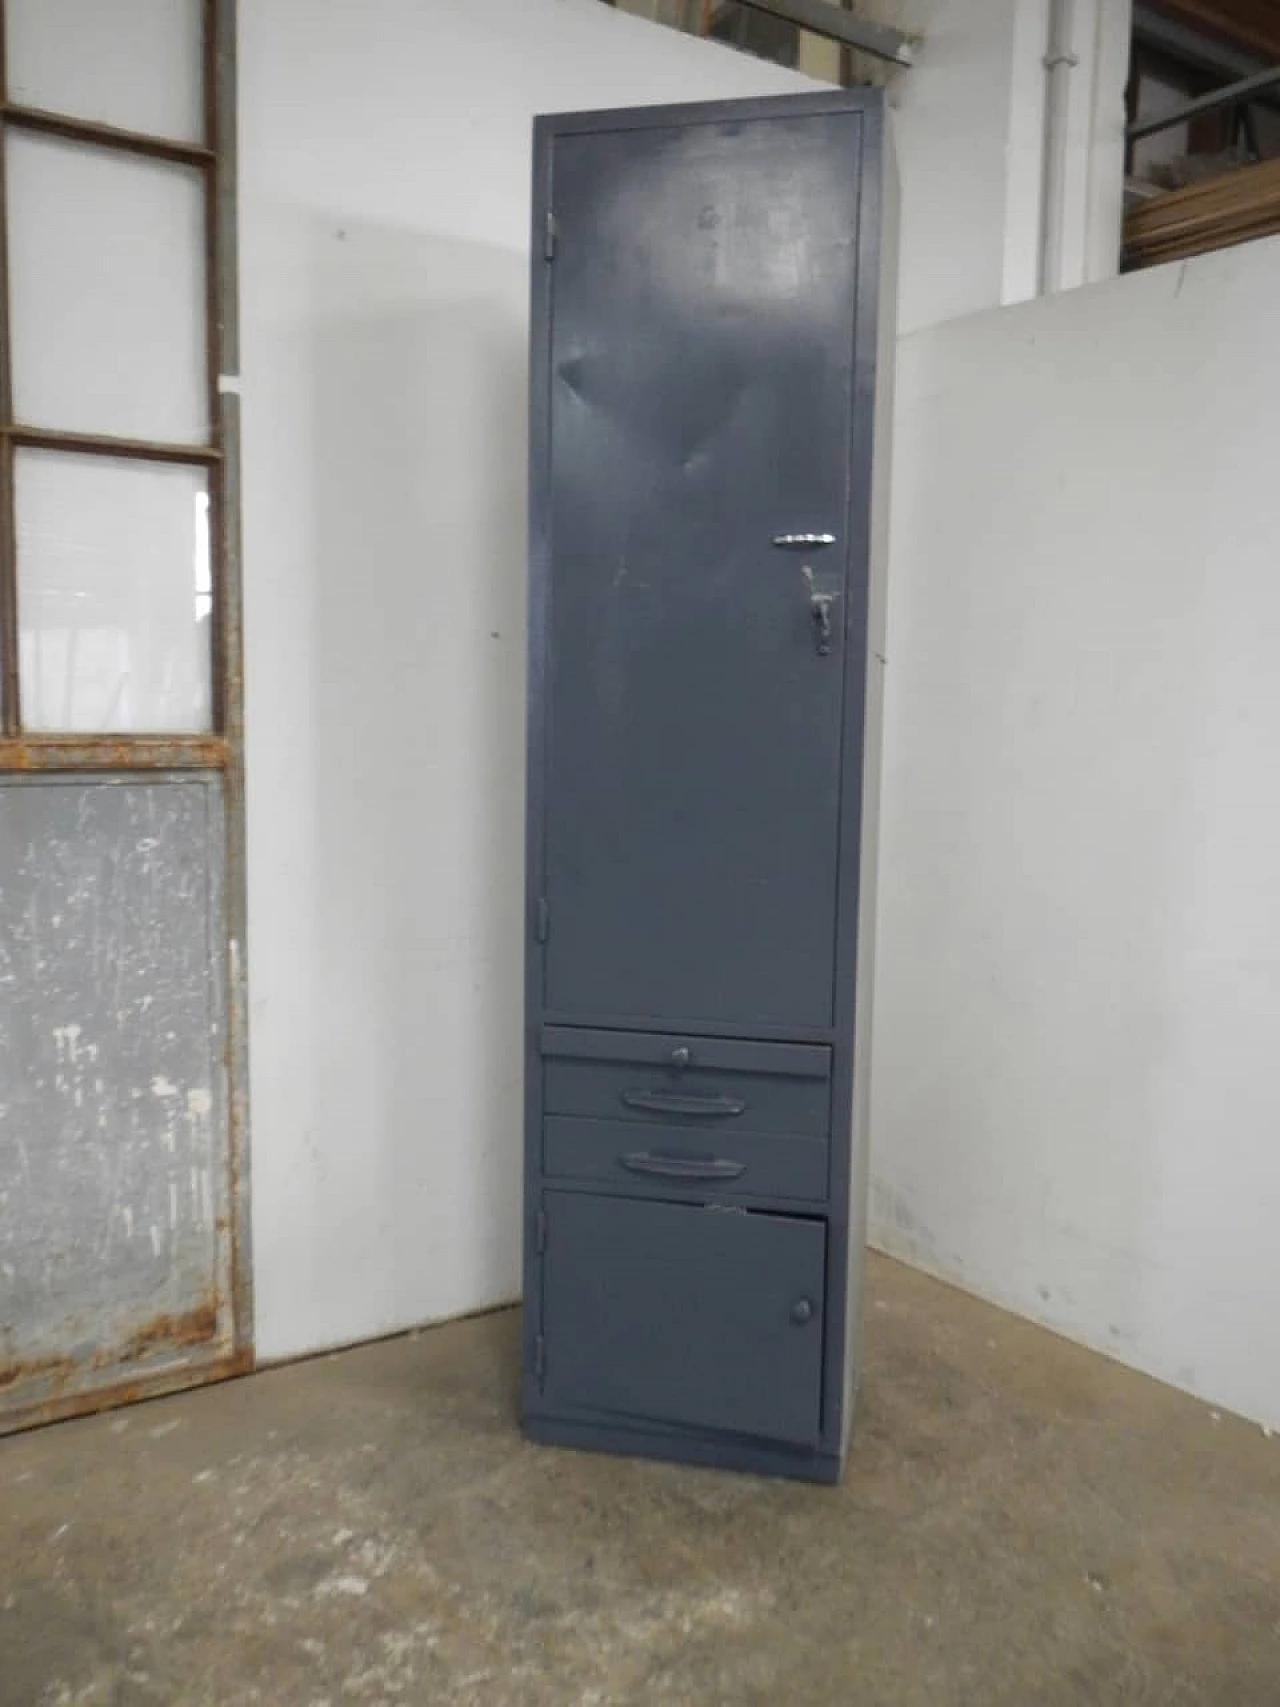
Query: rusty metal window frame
x=214, y=157
x=219, y=754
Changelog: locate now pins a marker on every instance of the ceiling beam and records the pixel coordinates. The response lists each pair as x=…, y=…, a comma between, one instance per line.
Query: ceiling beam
x=1152, y=29
x=1250, y=24
x=824, y=19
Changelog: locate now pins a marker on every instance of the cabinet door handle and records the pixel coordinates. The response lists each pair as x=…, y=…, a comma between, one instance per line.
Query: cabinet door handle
x=682, y=1167
x=673, y=1102
x=803, y=541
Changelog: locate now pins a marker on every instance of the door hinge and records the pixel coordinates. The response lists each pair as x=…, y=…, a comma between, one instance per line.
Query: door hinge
x=539, y=1358
x=549, y=234
x=540, y=1232
x=542, y=919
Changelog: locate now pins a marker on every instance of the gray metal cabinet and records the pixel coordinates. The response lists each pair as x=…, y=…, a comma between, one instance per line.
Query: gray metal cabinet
x=708, y=322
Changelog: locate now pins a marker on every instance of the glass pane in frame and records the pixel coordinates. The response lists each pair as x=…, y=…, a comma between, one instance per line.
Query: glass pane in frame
x=136, y=64
x=115, y=595
x=107, y=307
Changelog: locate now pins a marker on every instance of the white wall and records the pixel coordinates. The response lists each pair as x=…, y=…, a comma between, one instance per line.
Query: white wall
x=969, y=132
x=970, y=129
x=384, y=209
x=1079, y=944
x=970, y=115
x=1076, y=1106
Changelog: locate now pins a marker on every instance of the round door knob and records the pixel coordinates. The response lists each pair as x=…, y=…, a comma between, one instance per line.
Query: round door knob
x=801, y=1311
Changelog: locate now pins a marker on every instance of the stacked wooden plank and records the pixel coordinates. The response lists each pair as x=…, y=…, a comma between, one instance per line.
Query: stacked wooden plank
x=1230, y=209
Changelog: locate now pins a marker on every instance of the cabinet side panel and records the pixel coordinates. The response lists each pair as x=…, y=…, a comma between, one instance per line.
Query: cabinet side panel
x=880, y=211
x=539, y=592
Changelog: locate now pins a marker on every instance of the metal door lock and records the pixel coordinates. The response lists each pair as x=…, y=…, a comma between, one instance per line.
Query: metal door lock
x=820, y=611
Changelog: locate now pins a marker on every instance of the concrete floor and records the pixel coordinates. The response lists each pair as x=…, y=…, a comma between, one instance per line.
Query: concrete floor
x=1022, y=1524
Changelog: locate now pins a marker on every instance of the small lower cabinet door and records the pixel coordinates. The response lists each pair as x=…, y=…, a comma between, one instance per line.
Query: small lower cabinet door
x=684, y=1314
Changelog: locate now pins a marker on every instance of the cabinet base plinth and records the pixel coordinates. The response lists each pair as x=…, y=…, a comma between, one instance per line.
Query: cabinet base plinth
x=717, y=1452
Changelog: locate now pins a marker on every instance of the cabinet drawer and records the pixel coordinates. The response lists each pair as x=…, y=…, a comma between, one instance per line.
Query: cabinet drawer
x=683, y=1160
x=713, y=1084
x=706, y=1317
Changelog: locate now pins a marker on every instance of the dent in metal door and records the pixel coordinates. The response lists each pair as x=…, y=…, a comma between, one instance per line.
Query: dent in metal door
x=703, y=290
x=115, y=1168
x=685, y=1314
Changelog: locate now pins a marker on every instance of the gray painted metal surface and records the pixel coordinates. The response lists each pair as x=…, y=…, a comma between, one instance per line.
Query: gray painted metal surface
x=115, y=1177
x=690, y=1314
x=705, y=333
x=745, y=1087
x=685, y=1160
x=692, y=854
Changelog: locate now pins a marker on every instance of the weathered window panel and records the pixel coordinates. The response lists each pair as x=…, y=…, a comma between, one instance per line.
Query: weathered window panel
x=107, y=292
x=114, y=1188
x=124, y=1263
x=131, y=63
x=114, y=594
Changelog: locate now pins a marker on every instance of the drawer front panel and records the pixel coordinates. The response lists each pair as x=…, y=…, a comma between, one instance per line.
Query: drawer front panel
x=715, y=1084
x=691, y=1161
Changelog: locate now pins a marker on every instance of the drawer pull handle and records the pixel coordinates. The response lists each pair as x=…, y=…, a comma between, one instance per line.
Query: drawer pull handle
x=682, y=1167
x=672, y=1102
x=803, y=541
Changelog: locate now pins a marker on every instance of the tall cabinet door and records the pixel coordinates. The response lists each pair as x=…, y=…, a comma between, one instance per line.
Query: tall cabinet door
x=703, y=295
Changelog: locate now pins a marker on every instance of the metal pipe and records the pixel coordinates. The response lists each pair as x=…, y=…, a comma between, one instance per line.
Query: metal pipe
x=1059, y=62
x=824, y=19
x=1230, y=96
